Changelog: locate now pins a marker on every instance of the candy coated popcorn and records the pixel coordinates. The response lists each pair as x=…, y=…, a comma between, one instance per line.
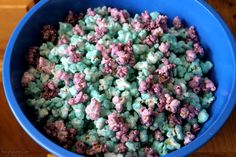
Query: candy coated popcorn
x=108, y=84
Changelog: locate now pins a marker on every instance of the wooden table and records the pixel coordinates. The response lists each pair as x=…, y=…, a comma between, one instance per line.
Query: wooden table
x=14, y=142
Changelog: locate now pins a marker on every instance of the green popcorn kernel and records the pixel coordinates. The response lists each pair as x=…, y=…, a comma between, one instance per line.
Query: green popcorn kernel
x=99, y=123
x=154, y=15
x=64, y=110
x=111, y=146
x=139, y=49
x=144, y=136
x=45, y=49
x=188, y=76
x=73, y=68
x=42, y=113
x=181, y=71
x=162, y=148
x=132, y=120
x=44, y=77
x=81, y=67
x=106, y=132
x=132, y=146
x=134, y=89
x=179, y=132
x=92, y=74
x=172, y=144
x=203, y=116
x=122, y=84
x=153, y=58
x=207, y=100
x=79, y=110
x=64, y=92
x=65, y=29
x=206, y=67
x=33, y=89
x=79, y=42
x=95, y=94
x=142, y=35
x=93, y=56
x=106, y=82
x=90, y=137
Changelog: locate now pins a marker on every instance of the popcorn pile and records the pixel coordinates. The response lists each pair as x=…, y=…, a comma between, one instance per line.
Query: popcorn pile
x=109, y=84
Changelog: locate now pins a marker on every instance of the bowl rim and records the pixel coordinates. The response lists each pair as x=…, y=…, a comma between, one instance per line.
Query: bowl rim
x=46, y=143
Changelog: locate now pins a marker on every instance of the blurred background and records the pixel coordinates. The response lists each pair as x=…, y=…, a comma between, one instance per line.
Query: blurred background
x=14, y=142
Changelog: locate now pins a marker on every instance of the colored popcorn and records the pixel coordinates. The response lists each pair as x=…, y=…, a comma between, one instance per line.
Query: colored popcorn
x=108, y=84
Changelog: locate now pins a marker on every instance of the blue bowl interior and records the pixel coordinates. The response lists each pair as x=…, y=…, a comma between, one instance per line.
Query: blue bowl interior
x=215, y=38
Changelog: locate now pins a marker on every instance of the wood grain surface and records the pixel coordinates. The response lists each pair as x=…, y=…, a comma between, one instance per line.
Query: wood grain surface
x=14, y=142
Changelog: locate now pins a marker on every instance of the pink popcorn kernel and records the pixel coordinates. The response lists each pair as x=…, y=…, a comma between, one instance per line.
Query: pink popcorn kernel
x=137, y=25
x=150, y=153
x=157, y=88
x=184, y=112
x=100, y=31
x=78, y=30
x=80, y=147
x=190, y=55
x=188, y=112
x=150, y=40
x=63, y=40
x=122, y=133
x=32, y=56
x=61, y=75
x=115, y=122
x=45, y=65
x=122, y=53
x=73, y=55
x=122, y=71
x=208, y=86
x=157, y=32
x=177, y=23
x=178, y=90
x=49, y=33
x=27, y=78
x=101, y=28
x=79, y=81
x=58, y=131
x=174, y=119
x=109, y=65
x=121, y=148
x=97, y=149
x=145, y=17
x=133, y=136
x=80, y=98
x=195, y=82
x=104, y=51
x=188, y=138
x=192, y=35
x=91, y=12
x=117, y=15
x=198, y=49
x=162, y=22
x=73, y=18
x=164, y=70
x=49, y=90
x=158, y=135
x=146, y=116
x=146, y=86
x=118, y=102
x=93, y=109
x=161, y=103
x=164, y=47
x=173, y=106
x=92, y=38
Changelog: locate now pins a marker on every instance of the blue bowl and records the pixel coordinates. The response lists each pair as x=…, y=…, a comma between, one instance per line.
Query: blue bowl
x=214, y=34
